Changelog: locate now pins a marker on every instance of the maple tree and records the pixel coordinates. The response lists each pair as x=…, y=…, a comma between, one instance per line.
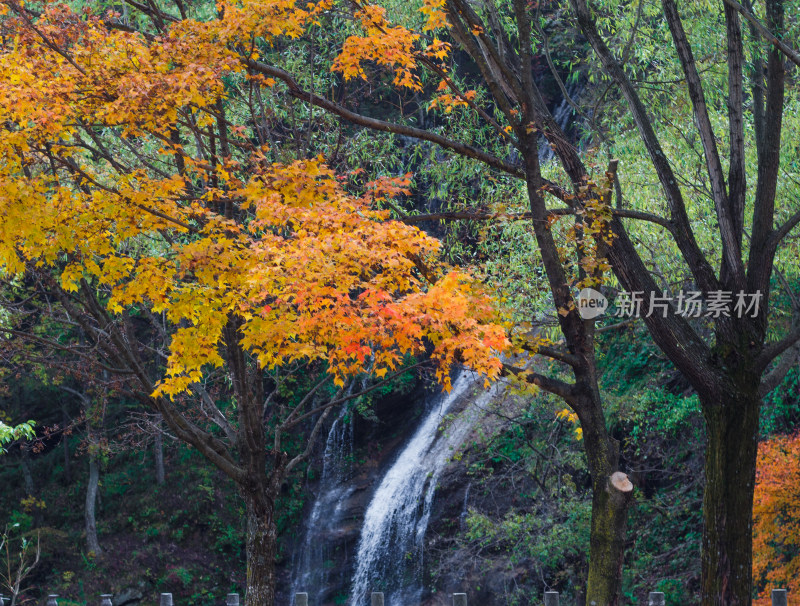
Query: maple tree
x=76, y=87
x=158, y=236
x=776, y=516
x=735, y=179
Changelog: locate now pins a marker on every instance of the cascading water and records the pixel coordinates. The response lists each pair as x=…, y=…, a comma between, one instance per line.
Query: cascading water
x=328, y=510
x=389, y=556
x=562, y=114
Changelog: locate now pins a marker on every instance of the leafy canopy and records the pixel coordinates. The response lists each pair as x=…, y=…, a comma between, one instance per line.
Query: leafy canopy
x=310, y=270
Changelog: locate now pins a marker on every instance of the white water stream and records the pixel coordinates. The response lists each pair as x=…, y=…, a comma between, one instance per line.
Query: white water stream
x=389, y=556
x=312, y=574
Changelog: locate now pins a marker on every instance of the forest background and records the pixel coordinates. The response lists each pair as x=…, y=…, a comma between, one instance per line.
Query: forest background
x=651, y=408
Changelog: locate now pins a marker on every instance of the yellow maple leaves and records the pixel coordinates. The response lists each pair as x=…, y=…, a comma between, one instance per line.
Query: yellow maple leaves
x=308, y=270
x=570, y=416
x=350, y=283
x=388, y=45
x=436, y=17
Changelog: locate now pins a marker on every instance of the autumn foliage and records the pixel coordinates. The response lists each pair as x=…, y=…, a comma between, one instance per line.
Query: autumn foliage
x=776, y=517
x=212, y=230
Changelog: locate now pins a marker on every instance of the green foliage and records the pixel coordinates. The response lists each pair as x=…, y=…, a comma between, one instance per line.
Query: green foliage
x=781, y=410
x=10, y=433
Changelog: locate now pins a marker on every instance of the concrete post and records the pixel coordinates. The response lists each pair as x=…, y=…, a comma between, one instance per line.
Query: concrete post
x=550, y=598
x=166, y=599
x=459, y=599
x=105, y=599
x=377, y=598
x=779, y=597
x=232, y=599
x=52, y=599
x=656, y=598
x=301, y=599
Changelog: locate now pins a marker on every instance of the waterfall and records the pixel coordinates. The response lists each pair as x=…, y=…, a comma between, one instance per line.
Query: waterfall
x=563, y=114
x=464, y=510
x=328, y=509
x=389, y=556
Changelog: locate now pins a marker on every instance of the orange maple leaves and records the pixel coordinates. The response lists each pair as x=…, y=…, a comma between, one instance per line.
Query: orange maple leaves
x=309, y=270
x=392, y=46
x=776, y=517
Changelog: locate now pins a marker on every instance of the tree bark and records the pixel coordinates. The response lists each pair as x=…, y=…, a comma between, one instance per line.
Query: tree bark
x=89, y=514
x=730, y=470
x=158, y=452
x=262, y=544
x=606, y=543
x=65, y=446
x=25, y=463
x=611, y=496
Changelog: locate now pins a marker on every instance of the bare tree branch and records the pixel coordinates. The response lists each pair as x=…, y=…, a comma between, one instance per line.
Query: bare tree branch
x=790, y=53
x=731, y=244
x=560, y=388
x=380, y=125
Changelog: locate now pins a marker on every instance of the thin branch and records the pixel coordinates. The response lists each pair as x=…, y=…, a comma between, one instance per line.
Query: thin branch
x=793, y=56
x=399, y=129
x=351, y=396
x=303, y=402
x=779, y=234
x=560, y=388
x=776, y=375
x=617, y=326
x=310, y=442
x=481, y=216
x=731, y=245
x=772, y=351
x=552, y=352
x=684, y=237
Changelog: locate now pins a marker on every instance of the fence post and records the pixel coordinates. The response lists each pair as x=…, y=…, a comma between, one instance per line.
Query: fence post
x=377, y=598
x=459, y=599
x=656, y=598
x=301, y=599
x=52, y=599
x=550, y=598
x=232, y=599
x=166, y=599
x=105, y=599
x=779, y=597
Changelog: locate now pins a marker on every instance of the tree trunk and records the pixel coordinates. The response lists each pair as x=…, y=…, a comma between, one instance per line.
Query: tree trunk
x=158, y=451
x=91, y=499
x=607, y=543
x=610, y=499
x=262, y=546
x=65, y=446
x=25, y=463
x=730, y=471
x=611, y=496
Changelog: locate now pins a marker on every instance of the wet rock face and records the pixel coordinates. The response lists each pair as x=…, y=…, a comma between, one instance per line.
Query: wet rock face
x=130, y=596
x=326, y=574
x=488, y=578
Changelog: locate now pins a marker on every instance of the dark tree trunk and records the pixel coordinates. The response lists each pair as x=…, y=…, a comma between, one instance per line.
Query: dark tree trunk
x=89, y=514
x=611, y=489
x=607, y=543
x=158, y=452
x=25, y=462
x=262, y=545
x=65, y=446
x=611, y=496
x=730, y=470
